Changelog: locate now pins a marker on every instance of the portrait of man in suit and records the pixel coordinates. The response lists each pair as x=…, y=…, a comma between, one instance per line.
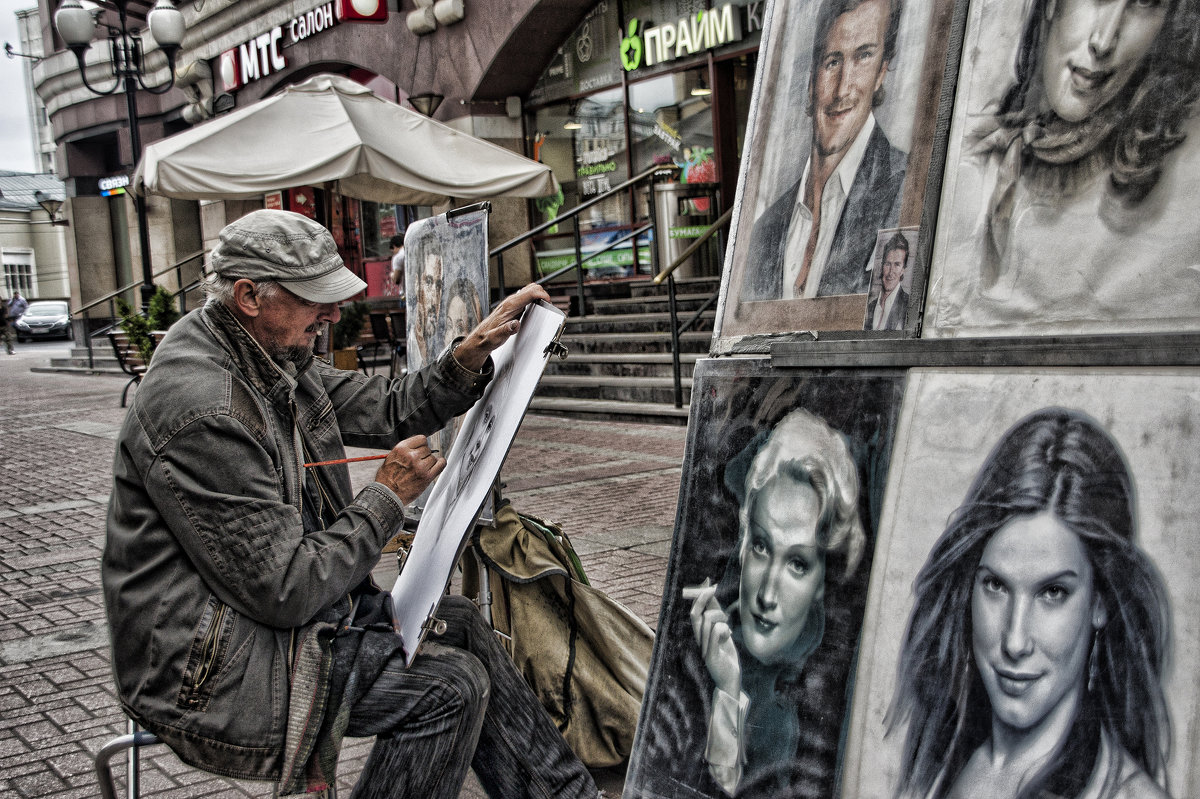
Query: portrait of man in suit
x=888, y=307
x=810, y=242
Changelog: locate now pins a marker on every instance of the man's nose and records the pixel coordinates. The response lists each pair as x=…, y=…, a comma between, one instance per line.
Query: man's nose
x=330, y=312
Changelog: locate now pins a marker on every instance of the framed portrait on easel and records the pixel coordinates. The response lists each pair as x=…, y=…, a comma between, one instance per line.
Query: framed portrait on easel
x=446, y=285
x=1031, y=623
x=845, y=141
x=766, y=583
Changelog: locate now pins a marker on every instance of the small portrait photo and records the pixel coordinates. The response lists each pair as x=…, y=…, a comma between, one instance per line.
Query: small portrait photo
x=1069, y=194
x=891, y=279
x=766, y=584
x=842, y=136
x=1034, y=633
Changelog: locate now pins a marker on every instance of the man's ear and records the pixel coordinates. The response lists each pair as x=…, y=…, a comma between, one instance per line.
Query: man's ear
x=246, y=298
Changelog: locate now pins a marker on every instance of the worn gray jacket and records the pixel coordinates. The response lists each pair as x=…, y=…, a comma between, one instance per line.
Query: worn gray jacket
x=210, y=579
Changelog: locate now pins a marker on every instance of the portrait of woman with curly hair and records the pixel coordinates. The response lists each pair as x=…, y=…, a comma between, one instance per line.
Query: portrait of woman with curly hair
x=1075, y=148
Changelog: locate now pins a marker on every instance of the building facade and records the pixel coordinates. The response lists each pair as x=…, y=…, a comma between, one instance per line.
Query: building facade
x=520, y=73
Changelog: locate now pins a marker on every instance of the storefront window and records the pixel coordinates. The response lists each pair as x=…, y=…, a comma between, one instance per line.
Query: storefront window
x=671, y=122
x=583, y=141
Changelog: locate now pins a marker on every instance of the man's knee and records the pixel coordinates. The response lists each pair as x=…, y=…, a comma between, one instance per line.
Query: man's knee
x=465, y=681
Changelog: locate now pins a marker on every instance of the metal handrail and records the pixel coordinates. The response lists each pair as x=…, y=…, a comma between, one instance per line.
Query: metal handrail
x=573, y=216
x=111, y=297
x=668, y=274
x=631, y=234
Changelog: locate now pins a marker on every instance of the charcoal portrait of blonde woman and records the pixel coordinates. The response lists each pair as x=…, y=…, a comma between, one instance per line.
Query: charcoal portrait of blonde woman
x=765, y=589
x=1070, y=178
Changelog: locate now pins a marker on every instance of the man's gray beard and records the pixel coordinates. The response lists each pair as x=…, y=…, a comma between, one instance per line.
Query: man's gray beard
x=296, y=355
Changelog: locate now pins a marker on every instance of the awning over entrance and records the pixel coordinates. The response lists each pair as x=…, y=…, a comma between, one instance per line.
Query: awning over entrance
x=330, y=131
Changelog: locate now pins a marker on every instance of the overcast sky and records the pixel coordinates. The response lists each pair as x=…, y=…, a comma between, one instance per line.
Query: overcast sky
x=16, y=140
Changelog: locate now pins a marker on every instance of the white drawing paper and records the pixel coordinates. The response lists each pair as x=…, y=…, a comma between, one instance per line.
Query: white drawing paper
x=461, y=489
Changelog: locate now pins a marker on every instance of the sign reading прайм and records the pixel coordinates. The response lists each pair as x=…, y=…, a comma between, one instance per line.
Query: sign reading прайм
x=691, y=34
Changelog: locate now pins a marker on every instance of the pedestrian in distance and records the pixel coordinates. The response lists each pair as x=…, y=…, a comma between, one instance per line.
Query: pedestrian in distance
x=6, y=331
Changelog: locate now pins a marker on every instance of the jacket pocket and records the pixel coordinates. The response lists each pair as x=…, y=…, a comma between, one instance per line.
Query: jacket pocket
x=209, y=646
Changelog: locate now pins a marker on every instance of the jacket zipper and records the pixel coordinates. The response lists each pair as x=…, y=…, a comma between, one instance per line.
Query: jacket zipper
x=208, y=653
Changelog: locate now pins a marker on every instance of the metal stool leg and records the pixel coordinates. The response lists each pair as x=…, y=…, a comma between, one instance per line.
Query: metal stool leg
x=131, y=741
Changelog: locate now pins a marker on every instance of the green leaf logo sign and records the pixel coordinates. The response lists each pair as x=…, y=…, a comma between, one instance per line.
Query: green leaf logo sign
x=631, y=48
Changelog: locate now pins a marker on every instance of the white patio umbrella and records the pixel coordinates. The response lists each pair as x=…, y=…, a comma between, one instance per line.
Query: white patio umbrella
x=330, y=131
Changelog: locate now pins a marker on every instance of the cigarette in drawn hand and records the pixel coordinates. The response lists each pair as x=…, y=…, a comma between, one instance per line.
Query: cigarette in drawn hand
x=356, y=460
x=693, y=591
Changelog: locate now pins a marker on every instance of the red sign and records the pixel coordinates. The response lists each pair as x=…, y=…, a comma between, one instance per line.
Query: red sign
x=301, y=201
x=362, y=10
x=273, y=200
x=379, y=279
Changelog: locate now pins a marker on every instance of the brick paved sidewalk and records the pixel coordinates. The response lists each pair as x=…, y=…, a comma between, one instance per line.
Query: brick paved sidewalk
x=613, y=488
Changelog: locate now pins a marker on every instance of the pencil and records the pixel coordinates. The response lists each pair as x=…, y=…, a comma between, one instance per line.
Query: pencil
x=356, y=460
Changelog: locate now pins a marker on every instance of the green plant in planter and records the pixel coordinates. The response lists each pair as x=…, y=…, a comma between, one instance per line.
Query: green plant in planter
x=350, y=326
x=161, y=314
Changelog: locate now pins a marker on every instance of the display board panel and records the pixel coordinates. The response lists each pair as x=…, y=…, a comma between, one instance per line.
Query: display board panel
x=844, y=142
x=1035, y=563
x=766, y=583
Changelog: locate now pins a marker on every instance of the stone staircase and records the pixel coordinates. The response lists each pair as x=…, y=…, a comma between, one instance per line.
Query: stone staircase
x=103, y=360
x=619, y=363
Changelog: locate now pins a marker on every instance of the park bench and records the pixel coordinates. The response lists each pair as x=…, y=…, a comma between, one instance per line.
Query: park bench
x=129, y=357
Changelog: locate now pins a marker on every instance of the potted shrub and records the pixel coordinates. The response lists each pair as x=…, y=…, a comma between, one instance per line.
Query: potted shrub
x=346, y=333
x=160, y=315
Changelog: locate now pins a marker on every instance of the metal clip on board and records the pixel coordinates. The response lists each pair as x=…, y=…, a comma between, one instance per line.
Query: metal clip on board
x=433, y=625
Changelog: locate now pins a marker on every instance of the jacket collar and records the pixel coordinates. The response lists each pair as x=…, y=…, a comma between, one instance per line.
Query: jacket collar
x=266, y=375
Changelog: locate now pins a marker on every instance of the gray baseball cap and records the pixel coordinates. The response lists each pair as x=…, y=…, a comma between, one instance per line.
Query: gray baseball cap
x=289, y=248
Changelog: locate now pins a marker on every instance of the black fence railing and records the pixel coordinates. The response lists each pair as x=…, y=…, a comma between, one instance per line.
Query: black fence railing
x=97, y=324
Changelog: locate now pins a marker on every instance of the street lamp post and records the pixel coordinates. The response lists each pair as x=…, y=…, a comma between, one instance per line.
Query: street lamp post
x=76, y=25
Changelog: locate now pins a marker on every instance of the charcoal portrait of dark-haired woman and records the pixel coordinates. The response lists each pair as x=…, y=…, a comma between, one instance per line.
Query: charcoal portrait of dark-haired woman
x=1068, y=204
x=766, y=585
x=1036, y=657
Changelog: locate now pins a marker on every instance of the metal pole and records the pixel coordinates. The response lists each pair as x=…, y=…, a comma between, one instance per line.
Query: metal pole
x=674, y=322
x=132, y=788
x=139, y=202
x=579, y=267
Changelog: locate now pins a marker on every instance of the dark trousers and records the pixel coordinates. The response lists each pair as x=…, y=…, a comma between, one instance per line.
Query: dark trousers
x=461, y=704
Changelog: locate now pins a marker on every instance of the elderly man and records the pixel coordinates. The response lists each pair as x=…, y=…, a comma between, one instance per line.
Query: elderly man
x=247, y=632
x=816, y=239
x=889, y=310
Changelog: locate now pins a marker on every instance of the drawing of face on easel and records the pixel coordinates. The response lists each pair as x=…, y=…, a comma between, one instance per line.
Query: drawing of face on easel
x=475, y=444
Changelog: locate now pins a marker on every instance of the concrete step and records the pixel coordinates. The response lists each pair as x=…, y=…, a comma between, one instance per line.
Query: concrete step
x=683, y=285
x=634, y=323
x=77, y=370
x=694, y=341
x=685, y=303
x=655, y=390
x=608, y=365
x=651, y=413
x=100, y=362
